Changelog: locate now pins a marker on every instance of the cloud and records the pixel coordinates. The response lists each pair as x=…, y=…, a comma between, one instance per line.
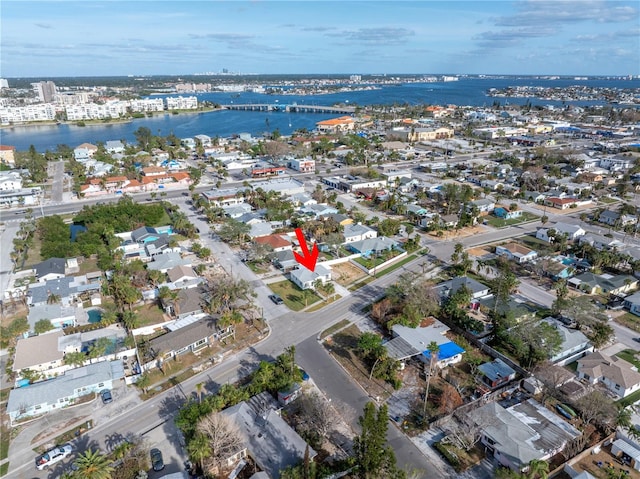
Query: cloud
x=378, y=36
x=318, y=29
x=510, y=37
x=558, y=12
x=45, y=26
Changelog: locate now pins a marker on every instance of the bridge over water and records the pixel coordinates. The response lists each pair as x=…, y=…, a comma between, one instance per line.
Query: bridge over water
x=294, y=108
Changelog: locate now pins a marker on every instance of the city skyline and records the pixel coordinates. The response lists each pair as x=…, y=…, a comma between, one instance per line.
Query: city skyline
x=113, y=38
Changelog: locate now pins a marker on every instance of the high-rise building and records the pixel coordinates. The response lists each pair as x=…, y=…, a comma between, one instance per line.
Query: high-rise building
x=45, y=90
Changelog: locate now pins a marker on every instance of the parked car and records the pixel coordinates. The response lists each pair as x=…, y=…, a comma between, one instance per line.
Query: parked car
x=637, y=340
x=53, y=456
x=105, y=394
x=276, y=299
x=156, y=459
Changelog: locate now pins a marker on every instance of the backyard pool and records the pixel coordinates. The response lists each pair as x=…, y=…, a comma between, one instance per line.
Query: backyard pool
x=95, y=315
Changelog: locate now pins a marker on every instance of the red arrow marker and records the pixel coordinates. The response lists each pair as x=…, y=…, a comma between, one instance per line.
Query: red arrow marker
x=306, y=259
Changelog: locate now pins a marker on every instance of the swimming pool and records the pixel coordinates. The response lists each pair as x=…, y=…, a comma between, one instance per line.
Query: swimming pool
x=95, y=315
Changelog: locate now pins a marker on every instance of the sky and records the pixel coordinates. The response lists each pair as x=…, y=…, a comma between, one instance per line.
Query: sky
x=138, y=37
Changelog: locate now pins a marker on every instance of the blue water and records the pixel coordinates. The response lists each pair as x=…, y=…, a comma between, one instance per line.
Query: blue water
x=226, y=123
x=95, y=315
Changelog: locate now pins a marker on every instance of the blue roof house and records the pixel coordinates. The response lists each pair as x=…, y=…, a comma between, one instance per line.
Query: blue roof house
x=448, y=353
x=372, y=246
x=505, y=213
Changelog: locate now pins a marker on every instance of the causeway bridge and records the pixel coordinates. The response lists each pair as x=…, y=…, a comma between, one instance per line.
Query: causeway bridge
x=294, y=108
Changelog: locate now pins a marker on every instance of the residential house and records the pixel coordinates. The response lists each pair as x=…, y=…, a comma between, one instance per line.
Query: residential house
x=65, y=290
x=448, y=221
x=358, y=232
x=626, y=449
x=342, y=220
x=236, y=211
x=260, y=229
x=373, y=246
x=318, y=210
x=484, y=205
x=556, y=269
x=302, y=199
x=609, y=217
x=164, y=262
x=114, y=146
x=52, y=268
x=493, y=185
x=574, y=343
x=60, y=316
x=565, y=203
x=63, y=390
x=192, y=338
x=84, y=152
x=188, y=303
x=336, y=125
x=505, y=213
x=411, y=342
x=10, y=181
x=632, y=303
x=38, y=353
x=519, y=434
x=573, y=232
x=600, y=242
x=277, y=446
x=591, y=283
x=276, y=242
x=534, y=196
x=285, y=261
x=619, y=376
x=7, y=155
x=450, y=287
x=305, y=279
x=497, y=373
x=182, y=277
x=516, y=252
x=517, y=309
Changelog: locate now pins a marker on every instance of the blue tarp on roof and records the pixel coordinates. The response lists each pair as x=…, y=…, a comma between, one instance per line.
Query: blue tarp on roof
x=447, y=350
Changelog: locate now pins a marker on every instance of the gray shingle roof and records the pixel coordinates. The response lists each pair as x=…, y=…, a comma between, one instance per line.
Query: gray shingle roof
x=52, y=265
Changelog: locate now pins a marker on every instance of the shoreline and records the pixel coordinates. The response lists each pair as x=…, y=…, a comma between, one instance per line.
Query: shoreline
x=88, y=123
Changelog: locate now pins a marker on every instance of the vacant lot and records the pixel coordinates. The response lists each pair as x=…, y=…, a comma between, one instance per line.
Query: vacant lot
x=346, y=273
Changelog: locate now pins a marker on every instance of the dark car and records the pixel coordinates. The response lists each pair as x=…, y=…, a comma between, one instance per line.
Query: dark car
x=105, y=394
x=276, y=299
x=637, y=340
x=156, y=459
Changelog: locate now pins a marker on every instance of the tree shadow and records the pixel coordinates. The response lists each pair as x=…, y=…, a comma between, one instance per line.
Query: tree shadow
x=112, y=441
x=172, y=403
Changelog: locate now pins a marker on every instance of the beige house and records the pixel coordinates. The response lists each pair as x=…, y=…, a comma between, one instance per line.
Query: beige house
x=7, y=155
x=39, y=353
x=336, y=125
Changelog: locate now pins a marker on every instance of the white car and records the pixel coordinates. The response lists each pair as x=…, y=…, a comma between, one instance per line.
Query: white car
x=53, y=456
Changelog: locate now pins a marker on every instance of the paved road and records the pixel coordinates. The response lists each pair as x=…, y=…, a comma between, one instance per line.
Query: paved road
x=57, y=185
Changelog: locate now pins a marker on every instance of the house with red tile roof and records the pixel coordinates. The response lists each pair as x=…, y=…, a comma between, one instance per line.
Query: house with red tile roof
x=7, y=154
x=336, y=125
x=277, y=242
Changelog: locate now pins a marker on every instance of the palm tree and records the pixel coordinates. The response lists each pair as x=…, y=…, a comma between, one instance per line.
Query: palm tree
x=199, y=387
x=199, y=450
x=538, y=469
x=93, y=465
x=434, y=350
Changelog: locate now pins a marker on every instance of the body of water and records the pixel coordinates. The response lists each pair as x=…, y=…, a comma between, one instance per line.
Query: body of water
x=226, y=123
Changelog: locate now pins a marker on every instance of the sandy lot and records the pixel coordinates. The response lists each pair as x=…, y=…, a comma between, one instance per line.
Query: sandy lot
x=346, y=273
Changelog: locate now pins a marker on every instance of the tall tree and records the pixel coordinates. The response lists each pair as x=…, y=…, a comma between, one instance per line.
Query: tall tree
x=434, y=350
x=374, y=458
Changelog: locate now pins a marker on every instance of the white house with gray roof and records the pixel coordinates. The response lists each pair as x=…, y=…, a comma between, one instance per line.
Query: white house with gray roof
x=522, y=433
x=574, y=343
x=477, y=289
x=305, y=279
x=59, y=315
x=619, y=376
x=164, y=262
x=358, y=232
x=60, y=392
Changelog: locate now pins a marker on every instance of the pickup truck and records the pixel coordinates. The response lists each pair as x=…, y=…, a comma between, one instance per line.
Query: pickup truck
x=53, y=456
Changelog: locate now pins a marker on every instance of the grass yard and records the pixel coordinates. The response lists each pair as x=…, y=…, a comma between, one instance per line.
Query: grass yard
x=629, y=355
x=607, y=200
x=150, y=314
x=371, y=263
x=293, y=296
x=336, y=327
x=630, y=399
x=500, y=223
x=629, y=320
x=331, y=299
x=89, y=265
x=360, y=284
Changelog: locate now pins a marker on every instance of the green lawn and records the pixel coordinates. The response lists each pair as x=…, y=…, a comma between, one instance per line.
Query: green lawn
x=630, y=399
x=293, y=296
x=500, y=223
x=336, y=327
x=629, y=320
x=605, y=199
x=4, y=468
x=149, y=314
x=629, y=355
